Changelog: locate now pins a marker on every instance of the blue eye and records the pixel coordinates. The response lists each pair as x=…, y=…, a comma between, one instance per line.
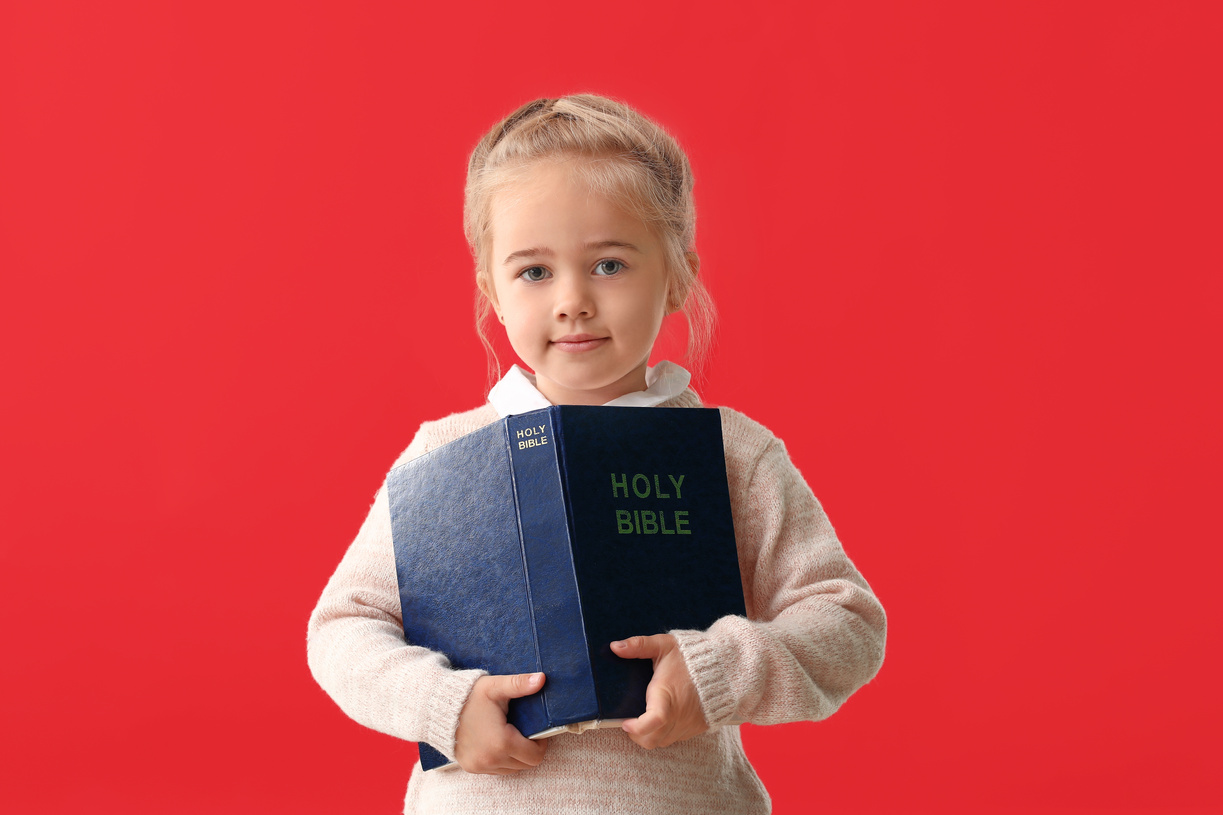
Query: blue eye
x=534, y=274
x=607, y=268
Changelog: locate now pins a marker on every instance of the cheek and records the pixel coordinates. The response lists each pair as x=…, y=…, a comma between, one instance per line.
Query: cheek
x=519, y=327
x=518, y=312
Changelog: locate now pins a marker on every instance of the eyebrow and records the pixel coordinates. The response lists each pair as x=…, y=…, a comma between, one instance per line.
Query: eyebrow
x=545, y=252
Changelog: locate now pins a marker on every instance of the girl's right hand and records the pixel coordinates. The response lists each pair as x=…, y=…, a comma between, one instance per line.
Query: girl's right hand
x=484, y=741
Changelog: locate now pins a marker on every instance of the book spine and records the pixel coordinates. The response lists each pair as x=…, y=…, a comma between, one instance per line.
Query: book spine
x=560, y=634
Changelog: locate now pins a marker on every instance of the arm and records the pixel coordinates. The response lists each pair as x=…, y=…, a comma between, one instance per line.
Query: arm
x=357, y=652
x=815, y=632
x=356, y=649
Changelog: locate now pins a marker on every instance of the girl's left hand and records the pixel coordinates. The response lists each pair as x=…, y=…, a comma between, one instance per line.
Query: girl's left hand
x=672, y=706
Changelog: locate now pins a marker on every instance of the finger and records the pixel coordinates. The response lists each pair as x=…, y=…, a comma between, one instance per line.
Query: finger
x=645, y=724
x=640, y=647
x=507, y=752
x=650, y=731
x=527, y=753
x=512, y=686
x=653, y=725
x=516, y=752
x=506, y=766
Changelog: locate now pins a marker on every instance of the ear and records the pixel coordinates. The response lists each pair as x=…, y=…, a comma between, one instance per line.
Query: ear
x=677, y=291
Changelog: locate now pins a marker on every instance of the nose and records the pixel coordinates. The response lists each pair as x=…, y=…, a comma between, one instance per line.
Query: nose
x=573, y=297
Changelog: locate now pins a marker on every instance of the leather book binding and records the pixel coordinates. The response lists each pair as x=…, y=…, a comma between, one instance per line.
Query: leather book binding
x=533, y=543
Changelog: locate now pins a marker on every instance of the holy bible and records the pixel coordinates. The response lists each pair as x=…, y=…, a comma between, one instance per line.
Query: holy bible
x=533, y=543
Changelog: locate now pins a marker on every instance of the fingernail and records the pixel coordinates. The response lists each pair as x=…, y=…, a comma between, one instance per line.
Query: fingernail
x=536, y=679
x=618, y=644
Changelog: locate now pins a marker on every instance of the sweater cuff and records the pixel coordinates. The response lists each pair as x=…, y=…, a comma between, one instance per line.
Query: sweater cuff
x=445, y=703
x=707, y=669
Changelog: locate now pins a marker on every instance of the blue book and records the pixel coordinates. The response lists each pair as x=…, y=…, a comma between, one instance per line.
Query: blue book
x=533, y=543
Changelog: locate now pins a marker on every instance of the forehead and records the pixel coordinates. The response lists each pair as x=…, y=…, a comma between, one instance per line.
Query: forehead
x=558, y=200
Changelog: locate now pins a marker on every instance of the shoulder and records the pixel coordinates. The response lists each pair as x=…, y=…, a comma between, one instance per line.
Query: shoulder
x=434, y=434
x=757, y=462
x=755, y=457
x=744, y=436
x=747, y=442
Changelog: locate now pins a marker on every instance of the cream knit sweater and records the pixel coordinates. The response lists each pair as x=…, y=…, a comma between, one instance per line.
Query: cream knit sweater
x=814, y=635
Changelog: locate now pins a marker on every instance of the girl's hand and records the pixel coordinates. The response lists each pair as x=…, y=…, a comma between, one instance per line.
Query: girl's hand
x=672, y=706
x=484, y=741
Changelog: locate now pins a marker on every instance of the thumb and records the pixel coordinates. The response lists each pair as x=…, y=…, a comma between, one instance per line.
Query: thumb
x=512, y=686
x=641, y=647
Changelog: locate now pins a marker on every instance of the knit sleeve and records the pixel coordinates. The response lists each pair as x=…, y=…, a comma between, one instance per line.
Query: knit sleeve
x=356, y=648
x=815, y=632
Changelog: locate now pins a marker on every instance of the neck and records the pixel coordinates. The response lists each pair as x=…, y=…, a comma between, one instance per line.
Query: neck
x=558, y=394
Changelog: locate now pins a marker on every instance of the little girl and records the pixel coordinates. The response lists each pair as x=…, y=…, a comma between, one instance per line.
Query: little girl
x=580, y=218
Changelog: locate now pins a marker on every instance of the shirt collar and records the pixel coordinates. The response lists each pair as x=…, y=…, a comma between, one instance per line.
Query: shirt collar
x=516, y=392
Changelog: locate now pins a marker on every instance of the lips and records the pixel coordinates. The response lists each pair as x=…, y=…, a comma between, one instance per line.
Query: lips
x=578, y=342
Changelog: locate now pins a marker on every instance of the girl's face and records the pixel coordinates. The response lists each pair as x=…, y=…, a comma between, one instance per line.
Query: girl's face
x=580, y=284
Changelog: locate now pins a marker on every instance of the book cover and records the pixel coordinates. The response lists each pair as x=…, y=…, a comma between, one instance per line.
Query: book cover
x=534, y=542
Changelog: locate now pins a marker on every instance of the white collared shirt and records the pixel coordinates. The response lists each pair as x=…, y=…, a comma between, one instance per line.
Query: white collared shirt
x=516, y=392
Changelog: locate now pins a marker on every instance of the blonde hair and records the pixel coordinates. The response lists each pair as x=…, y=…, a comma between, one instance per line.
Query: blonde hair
x=624, y=156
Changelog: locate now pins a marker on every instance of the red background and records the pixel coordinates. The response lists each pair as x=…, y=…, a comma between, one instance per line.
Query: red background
x=966, y=257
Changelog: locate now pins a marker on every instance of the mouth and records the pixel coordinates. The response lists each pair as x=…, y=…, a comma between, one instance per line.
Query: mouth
x=578, y=342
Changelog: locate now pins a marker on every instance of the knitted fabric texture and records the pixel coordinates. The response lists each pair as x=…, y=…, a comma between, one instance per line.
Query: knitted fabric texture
x=814, y=634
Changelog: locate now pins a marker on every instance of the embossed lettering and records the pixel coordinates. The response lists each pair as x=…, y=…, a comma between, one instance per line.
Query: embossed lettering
x=677, y=484
x=658, y=490
x=643, y=492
